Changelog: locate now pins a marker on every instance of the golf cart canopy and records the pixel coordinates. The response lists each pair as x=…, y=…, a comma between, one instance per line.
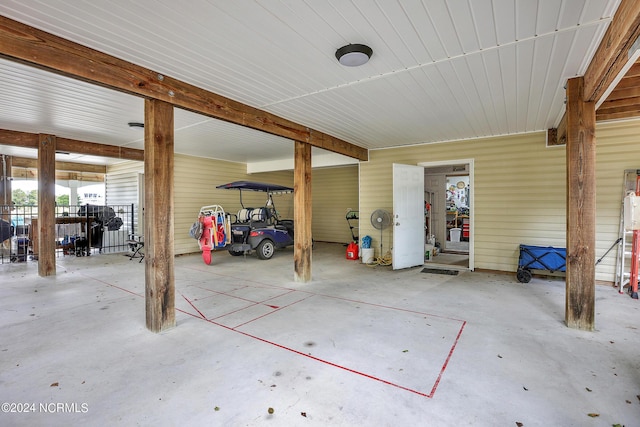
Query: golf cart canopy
x=256, y=186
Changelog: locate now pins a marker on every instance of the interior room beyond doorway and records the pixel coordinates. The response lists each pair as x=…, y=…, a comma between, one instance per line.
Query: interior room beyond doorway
x=448, y=213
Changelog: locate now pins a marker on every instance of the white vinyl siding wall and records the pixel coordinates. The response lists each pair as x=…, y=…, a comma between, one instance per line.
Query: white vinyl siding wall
x=121, y=188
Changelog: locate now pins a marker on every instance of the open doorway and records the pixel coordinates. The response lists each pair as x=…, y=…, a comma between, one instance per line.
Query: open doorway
x=448, y=195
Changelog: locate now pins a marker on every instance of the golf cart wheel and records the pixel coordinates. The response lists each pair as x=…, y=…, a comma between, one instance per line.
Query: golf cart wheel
x=235, y=253
x=523, y=276
x=265, y=249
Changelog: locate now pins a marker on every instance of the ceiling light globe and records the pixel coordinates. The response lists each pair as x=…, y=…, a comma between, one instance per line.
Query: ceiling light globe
x=353, y=55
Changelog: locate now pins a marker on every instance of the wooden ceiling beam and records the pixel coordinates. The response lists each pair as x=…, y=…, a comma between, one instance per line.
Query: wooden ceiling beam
x=101, y=150
x=631, y=92
x=634, y=71
x=622, y=102
x=625, y=112
x=613, y=52
x=32, y=174
x=558, y=136
x=30, y=140
x=35, y=47
x=23, y=162
x=18, y=139
x=627, y=82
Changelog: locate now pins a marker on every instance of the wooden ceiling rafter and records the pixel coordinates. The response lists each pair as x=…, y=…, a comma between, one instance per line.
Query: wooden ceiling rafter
x=72, y=167
x=30, y=140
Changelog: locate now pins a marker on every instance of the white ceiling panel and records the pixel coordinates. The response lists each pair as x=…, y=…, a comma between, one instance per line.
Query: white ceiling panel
x=441, y=70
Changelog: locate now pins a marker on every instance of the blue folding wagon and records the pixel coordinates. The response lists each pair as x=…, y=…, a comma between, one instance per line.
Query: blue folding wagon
x=545, y=258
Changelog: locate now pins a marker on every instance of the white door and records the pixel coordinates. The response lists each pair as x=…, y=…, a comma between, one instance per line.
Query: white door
x=408, y=216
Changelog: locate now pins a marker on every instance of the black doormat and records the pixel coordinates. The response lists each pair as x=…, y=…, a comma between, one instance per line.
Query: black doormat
x=438, y=271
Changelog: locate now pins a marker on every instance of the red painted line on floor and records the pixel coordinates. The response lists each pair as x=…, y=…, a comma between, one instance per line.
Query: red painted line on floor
x=253, y=303
x=446, y=362
x=215, y=293
x=277, y=309
x=209, y=272
x=241, y=298
x=194, y=307
x=112, y=285
x=326, y=362
x=420, y=393
x=388, y=307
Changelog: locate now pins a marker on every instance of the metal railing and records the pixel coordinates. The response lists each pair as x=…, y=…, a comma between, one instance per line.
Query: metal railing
x=80, y=230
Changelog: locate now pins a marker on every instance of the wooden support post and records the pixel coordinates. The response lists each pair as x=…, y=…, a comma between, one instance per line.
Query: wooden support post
x=581, y=208
x=46, y=205
x=302, y=211
x=158, y=233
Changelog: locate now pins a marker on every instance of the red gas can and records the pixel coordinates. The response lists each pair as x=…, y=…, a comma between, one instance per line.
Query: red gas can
x=352, y=250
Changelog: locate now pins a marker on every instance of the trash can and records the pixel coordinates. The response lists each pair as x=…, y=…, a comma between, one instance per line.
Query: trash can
x=367, y=255
x=20, y=248
x=455, y=234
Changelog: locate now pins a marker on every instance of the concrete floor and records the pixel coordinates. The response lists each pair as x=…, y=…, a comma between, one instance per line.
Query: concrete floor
x=359, y=346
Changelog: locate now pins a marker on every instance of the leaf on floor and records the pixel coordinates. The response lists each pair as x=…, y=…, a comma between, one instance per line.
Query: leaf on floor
x=216, y=408
x=54, y=385
x=500, y=356
x=519, y=424
x=304, y=414
x=525, y=389
x=405, y=351
x=588, y=389
x=593, y=415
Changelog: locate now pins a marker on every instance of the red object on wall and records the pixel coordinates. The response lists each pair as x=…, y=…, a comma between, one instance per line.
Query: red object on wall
x=352, y=251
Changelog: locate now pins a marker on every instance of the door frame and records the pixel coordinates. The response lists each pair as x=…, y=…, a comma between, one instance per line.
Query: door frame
x=472, y=198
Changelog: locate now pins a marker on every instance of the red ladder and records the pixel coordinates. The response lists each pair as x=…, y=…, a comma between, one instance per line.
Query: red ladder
x=635, y=253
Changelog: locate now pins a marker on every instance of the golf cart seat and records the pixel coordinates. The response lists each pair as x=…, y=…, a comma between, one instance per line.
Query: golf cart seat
x=253, y=215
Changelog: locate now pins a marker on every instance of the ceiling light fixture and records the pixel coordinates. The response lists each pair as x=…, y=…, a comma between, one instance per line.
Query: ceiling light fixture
x=136, y=125
x=353, y=55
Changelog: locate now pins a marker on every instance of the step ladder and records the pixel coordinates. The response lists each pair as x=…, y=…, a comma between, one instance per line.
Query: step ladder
x=628, y=261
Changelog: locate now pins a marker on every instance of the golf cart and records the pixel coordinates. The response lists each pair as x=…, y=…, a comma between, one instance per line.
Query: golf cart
x=251, y=229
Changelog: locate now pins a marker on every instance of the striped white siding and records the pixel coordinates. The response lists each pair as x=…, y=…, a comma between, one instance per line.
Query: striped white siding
x=121, y=188
x=334, y=191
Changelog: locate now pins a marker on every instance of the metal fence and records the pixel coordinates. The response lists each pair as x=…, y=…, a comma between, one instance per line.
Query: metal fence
x=80, y=231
